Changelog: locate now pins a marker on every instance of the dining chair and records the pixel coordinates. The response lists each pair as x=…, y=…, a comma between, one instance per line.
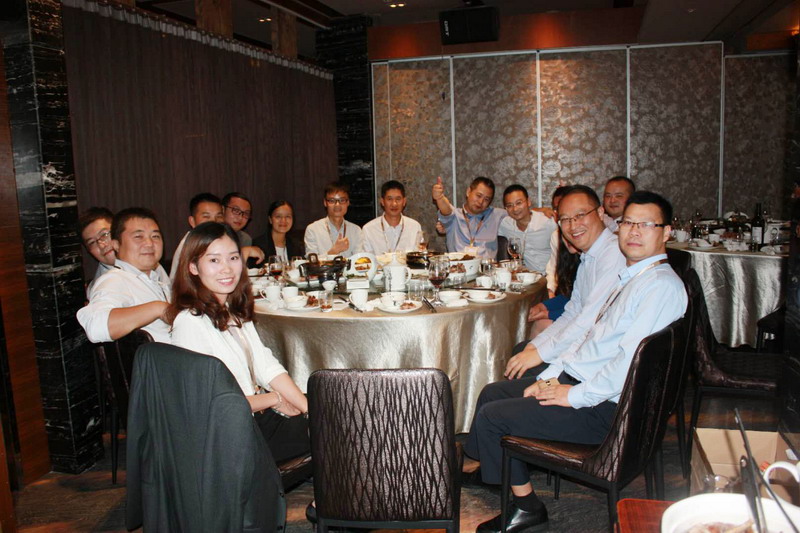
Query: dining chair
x=384, y=450
x=771, y=325
x=116, y=364
x=197, y=460
x=719, y=370
x=636, y=430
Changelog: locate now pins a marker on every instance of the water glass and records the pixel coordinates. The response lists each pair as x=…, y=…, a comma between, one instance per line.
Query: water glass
x=415, y=290
x=326, y=301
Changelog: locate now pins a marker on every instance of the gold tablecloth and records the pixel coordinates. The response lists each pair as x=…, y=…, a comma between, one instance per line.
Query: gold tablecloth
x=471, y=344
x=740, y=288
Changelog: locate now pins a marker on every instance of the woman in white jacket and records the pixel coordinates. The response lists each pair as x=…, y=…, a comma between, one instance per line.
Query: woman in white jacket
x=212, y=313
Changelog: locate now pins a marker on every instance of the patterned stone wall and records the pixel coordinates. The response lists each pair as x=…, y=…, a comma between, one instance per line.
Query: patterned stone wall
x=675, y=117
x=759, y=96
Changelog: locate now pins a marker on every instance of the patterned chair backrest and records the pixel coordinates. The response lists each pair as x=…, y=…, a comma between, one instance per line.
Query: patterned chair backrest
x=383, y=445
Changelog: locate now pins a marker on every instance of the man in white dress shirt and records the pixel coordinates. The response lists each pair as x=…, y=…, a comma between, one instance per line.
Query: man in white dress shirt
x=135, y=293
x=581, y=219
x=95, y=229
x=392, y=231
x=531, y=228
x=333, y=235
x=617, y=191
x=579, y=407
x=203, y=207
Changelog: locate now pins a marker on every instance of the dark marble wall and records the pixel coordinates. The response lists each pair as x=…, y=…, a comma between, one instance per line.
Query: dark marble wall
x=42, y=151
x=343, y=50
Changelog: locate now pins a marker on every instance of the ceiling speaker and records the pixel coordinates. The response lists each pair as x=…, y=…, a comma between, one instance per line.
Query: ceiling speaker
x=469, y=25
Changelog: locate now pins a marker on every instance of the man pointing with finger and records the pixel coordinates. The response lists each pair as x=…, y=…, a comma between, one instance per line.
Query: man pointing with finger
x=473, y=227
x=575, y=398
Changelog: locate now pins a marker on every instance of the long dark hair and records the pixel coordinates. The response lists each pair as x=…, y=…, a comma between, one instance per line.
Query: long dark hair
x=188, y=292
x=566, y=268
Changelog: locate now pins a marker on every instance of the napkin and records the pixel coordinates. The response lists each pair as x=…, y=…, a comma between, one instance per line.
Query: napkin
x=461, y=302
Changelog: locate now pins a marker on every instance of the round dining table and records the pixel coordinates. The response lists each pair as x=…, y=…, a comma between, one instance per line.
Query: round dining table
x=470, y=344
x=739, y=287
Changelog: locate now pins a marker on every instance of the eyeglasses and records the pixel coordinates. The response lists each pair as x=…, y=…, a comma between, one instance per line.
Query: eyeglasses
x=238, y=212
x=102, y=238
x=338, y=201
x=517, y=204
x=563, y=221
x=647, y=226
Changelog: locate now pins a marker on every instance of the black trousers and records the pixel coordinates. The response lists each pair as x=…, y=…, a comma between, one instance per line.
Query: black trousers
x=286, y=437
x=502, y=410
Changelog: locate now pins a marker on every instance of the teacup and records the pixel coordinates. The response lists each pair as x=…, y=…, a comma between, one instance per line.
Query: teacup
x=271, y=292
x=294, y=274
x=792, y=469
x=681, y=235
x=288, y=292
x=714, y=238
x=359, y=297
x=528, y=277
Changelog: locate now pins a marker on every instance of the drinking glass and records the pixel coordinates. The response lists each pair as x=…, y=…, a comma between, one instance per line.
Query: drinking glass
x=486, y=266
x=438, y=270
x=326, y=301
x=514, y=247
x=422, y=241
x=275, y=266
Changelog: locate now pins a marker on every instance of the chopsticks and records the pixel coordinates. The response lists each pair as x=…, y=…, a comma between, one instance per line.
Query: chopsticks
x=429, y=305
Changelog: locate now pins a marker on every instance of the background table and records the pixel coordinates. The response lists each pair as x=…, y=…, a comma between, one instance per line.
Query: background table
x=740, y=288
x=470, y=344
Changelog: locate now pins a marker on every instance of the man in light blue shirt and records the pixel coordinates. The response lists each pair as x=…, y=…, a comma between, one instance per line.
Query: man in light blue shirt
x=532, y=229
x=646, y=297
x=471, y=229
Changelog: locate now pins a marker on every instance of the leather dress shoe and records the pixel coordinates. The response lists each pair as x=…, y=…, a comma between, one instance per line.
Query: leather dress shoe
x=311, y=513
x=518, y=521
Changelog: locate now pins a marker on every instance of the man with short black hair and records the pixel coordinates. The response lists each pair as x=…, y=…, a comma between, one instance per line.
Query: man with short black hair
x=238, y=211
x=580, y=402
x=472, y=229
x=392, y=231
x=333, y=235
x=203, y=207
x=532, y=228
x=135, y=293
x=94, y=227
x=617, y=191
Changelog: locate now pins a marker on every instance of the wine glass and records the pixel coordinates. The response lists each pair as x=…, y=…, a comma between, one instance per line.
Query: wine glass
x=514, y=247
x=422, y=241
x=438, y=270
x=275, y=266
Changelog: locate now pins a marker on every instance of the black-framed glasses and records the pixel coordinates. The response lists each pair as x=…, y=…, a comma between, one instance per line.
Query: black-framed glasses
x=238, y=212
x=338, y=201
x=647, y=226
x=563, y=221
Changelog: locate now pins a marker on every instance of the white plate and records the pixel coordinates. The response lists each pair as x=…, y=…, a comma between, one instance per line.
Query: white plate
x=303, y=309
x=397, y=310
x=499, y=297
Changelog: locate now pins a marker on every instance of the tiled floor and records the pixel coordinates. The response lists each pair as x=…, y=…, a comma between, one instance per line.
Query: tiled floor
x=89, y=502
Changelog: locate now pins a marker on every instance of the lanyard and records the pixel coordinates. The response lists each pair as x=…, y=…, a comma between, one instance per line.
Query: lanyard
x=469, y=229
x=402, y=228
x=618, y=291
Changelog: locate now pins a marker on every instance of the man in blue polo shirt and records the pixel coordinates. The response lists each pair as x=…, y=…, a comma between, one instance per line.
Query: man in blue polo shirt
x=472, y=228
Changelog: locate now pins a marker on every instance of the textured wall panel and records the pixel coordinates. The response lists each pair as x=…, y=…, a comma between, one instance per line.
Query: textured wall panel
x=583, y=119
x=759, y=95
x=675, y=124
x=420, y=137
x=495, y=113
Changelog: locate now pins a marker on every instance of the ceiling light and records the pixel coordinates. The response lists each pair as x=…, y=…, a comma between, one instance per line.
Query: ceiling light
x=265, y=20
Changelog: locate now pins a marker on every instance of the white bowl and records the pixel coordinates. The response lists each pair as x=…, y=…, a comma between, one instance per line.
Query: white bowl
x=296, y=302
x=449, y=296
x=478, y=295
x=722, y=507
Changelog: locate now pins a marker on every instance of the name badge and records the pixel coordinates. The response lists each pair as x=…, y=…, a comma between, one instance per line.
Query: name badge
x=471, y=250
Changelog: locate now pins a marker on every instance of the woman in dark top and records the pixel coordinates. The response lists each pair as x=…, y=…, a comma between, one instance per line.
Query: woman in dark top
x=277, y=240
